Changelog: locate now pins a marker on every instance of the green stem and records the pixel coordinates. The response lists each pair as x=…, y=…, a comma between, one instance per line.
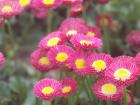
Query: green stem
x=107, y=41
x=49, y=21
x=109, y=102
x=68, y=12
x=124, y=99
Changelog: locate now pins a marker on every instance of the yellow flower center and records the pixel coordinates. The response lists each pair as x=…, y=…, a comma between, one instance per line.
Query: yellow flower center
x=99, y=65
x=80, y=63
x=7, y=9
x=62, y=57
x=91, y=34
x=53, y=42
x=48, y=2
x=44, y=61
x=85, y=42
x=109, y=89
x=122, y=74
x=71, y=33
x=66, y=89
x=24, y=3
x=47, y=90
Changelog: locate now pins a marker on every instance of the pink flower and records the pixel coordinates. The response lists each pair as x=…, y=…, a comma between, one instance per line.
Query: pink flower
x=133, y=38
x=72, y=26
x=103, y=21
x=123, y=72
x=72, y=2
x=78, y=63
x=105, y=89
x=69, y=86
x=52, y=40
x=24, y=3
x=46, y=4
x=86, y=42
x=47, y=89
x=60, y=54
x=93, y=31
x=41, y=62
x=10, y=8
x=1, y=58
x=123, y=58
x=76, y=10
x=98, y=63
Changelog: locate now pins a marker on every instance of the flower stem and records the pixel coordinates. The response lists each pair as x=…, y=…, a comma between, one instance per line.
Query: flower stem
x=49, y=21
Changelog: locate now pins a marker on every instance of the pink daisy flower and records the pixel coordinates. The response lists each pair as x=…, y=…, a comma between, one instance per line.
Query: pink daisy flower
x=103, y=21
x=52, y=40
x=76, y=10
x=60, y=54
x=122, y=72
x=133, y=38
x=102, y=1
x=72, y=2
x=93, y=31
x=47, y=89
x=72, y=26
x=105, y=89
x=86, y=42
x=123, y=58
x=98, y=63
x=1, y=58
x=78, y=63
x=10, y=8
x=73, y=20
x=41, y=62
x=69, y=86
x=24, y=3
x=48, y=4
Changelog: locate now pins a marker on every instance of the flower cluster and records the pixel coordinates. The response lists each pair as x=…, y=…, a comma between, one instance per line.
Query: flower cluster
x=48, y=88
x=74, y=46
x=40, y=8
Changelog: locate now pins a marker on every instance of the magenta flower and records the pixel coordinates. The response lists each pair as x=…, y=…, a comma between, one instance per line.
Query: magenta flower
x=98, y=63
x=72, y=26
x=123, y=72
x=60, y=54
x=78, y=63
x=52, y=40
x=10, y=8
x=46, y=4
x=69, y=86
x=24, y=3
x=72, y=2
x=133, y=38
x=47, y=89
x=105, y=89
x=93, y=31
x=86, y=42
x=40, y=60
